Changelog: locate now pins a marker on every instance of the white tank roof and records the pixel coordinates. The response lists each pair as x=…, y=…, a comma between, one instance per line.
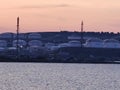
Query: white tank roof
x=63, y=45
x=12, y=48
x=2, y=49
x=34, y=36
x=35, y=43
x=20, y=42
x=94, y=40
x=74, y=41
x=49, y=44
x=111, y=41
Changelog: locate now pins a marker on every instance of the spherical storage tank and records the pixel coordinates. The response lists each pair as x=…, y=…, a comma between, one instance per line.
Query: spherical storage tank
x=94, y=42
x=21, y=43
x=111, y=43
x=35, y=43
x=34, y=36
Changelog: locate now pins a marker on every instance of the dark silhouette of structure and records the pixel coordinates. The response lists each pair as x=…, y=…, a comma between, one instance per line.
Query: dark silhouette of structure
x=17, y=37
x=82, y=34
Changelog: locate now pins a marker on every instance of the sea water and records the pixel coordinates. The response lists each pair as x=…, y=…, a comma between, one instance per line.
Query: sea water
x=53, y=76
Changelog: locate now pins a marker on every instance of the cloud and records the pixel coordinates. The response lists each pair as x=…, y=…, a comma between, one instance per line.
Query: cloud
x=44, y=6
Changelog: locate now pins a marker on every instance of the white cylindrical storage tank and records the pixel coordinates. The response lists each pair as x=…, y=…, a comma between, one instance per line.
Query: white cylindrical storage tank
x=6, y=35
x=35, y=43
x=34, y=36
x=74, y=37
x=12, y=48
x=111, y=43
x=20, y=36
x=74, y=43
x=33, y=49
x=2, y=49
x=54, y=48
x=3, y=43
x=49, y=45
x=94, y=42
x=21, y=43
x=63, y=45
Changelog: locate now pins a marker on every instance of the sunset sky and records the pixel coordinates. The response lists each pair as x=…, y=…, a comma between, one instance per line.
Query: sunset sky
x=56, y=15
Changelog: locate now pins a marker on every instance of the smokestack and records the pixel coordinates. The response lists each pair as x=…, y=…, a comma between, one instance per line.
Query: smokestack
x=17, y=25
x=17, y=20
x=82, y=34
x=82, y=26
x=17, y=37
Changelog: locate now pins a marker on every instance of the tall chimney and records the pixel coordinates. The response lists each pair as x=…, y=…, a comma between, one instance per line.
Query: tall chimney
x=17, y=25
x=17, y=38
x=82, y=26
x=82, y=34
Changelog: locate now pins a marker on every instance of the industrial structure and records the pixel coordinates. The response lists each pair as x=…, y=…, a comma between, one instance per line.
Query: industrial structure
x=55, y=46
